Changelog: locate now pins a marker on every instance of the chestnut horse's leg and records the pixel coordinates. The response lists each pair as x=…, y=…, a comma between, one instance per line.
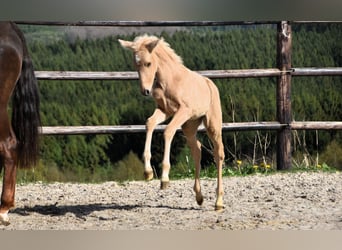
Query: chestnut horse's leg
x=9, y=162
x=179, y=118
x=10, y=65
x=190, y=132
x=9, y=179
x=157, y=117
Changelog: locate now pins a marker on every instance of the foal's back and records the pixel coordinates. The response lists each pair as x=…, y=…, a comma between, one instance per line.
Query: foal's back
x=201, y=94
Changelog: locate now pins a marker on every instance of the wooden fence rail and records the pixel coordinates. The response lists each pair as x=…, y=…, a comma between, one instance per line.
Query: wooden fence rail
x=78, y=130
x=236, y=126
x=213, y=74
x=163, y=23
x=146, y=23
x=284, y=72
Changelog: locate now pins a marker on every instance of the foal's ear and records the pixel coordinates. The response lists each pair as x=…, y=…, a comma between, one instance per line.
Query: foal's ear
x=126, y=44
x=150, y=46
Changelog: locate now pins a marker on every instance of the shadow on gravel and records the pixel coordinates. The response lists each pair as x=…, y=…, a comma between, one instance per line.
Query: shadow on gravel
x=84, y=210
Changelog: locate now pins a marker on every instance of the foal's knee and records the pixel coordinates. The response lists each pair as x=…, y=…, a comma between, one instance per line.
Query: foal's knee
x=150, y=123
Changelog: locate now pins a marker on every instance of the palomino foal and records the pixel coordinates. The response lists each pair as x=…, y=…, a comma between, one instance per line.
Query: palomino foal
x=186, y=96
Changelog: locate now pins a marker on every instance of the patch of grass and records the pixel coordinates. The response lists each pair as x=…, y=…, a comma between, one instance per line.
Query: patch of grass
x=132, y=168
x=240, y=168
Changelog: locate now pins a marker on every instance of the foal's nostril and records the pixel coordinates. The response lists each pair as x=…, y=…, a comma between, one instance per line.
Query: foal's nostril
x=146, y=92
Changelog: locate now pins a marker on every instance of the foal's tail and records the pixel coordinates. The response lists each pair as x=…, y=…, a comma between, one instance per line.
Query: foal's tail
x=26, y=118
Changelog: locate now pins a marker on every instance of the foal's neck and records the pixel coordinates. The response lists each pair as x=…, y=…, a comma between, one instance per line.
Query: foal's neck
x=169, y=72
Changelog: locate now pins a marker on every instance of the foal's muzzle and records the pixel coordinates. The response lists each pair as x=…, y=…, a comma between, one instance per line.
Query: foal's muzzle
x=146, y=92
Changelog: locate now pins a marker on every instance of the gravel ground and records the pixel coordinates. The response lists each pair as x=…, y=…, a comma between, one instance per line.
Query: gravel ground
x=278, y=201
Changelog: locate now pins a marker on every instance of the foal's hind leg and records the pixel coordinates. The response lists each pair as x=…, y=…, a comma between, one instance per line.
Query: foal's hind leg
x=190, y=131
x=214, y=132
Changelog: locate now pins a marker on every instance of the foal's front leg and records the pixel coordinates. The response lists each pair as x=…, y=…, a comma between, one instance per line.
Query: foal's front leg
x=179, y=118
x=157, y=117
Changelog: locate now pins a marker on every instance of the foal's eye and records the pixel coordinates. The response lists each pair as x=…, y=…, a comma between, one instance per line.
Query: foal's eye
x=147, y=64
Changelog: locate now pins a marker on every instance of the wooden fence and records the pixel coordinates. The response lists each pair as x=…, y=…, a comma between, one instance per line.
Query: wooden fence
x=284, y=72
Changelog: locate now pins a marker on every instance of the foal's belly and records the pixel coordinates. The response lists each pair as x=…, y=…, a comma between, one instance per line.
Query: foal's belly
x=169, y=105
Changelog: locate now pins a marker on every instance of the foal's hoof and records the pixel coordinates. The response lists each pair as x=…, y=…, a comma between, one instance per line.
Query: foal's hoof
x=4, y=219
x=219, y=207
x=164, y=184
x=148, y=175
x=199, y=199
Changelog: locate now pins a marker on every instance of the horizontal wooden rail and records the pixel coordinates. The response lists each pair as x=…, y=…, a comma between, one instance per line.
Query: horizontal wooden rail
x=315, y=22
x=86, y=75
x=317, y=125
x=78, y=130
x=162, y=23
x=237, y=73
x=236, y=126
x=214, y=74
x=145, y=23
x=133, y=75
x=332, y=71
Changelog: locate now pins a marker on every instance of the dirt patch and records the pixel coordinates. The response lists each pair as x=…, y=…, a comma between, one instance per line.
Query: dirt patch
x=279, y=201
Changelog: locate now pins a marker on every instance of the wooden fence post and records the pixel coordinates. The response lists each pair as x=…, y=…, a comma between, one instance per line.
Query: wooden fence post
x=284, y=49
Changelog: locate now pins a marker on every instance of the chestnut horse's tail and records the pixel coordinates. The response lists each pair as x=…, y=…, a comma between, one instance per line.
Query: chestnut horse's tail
x=25, y=117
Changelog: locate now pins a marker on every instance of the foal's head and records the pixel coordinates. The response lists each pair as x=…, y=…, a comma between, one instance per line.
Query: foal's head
x=144, y=60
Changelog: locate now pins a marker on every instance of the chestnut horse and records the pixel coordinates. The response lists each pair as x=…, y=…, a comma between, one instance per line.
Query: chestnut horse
x=186, y=96
x=18, y=138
